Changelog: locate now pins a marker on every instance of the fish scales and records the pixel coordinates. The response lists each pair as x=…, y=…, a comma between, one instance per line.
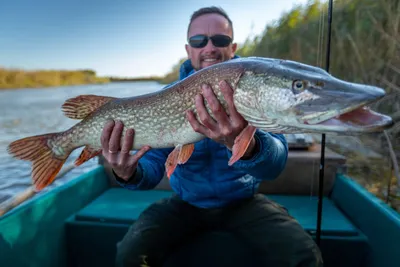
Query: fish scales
x=159, y=119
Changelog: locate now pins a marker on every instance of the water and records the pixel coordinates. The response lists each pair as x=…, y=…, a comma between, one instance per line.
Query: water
x=26, y=112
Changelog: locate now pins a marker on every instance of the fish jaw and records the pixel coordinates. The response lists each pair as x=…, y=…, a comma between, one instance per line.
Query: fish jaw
x=341, y=107
x=290, y=97
x=358, y=120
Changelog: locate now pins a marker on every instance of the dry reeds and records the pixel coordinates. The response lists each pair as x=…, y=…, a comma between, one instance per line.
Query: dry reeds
x=365, y=48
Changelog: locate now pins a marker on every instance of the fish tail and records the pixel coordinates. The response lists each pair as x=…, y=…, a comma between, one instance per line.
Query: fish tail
x=47, y=152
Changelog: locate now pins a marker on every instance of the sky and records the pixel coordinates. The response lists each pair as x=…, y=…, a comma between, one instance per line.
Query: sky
x=125, y=38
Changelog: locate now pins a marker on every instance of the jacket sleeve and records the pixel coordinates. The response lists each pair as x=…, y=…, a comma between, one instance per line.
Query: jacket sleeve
x=270, y=159
x=150, y=170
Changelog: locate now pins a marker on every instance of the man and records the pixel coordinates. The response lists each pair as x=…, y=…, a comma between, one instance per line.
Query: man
x=208, y=190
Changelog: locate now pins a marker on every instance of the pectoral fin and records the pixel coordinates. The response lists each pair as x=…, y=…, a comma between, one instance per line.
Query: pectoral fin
x=185, y=153
x=179, y=155
x=242, y=142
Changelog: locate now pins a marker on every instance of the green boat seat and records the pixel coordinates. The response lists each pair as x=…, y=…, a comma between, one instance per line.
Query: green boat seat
x=93, y=232
x=120, y=206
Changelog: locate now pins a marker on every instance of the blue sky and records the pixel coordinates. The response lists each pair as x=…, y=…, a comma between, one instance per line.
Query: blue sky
x=116, y=37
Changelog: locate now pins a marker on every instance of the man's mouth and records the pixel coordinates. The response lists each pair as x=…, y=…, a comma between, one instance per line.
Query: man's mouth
x=210, y=59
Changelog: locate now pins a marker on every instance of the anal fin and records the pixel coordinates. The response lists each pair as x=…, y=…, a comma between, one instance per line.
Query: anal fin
x=81, y=106
x=241, y=144
x=86, y=154
x=180, y=155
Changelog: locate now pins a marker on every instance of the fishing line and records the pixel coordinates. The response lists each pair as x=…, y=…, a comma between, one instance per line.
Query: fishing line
x=322, y=160
x=319, y=60
x=320, y=37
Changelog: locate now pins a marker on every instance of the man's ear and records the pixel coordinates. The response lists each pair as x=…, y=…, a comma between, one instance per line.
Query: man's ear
x=187, y=50
x=234, y=47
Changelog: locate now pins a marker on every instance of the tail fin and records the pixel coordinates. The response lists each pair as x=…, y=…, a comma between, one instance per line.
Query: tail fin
x=45, y=163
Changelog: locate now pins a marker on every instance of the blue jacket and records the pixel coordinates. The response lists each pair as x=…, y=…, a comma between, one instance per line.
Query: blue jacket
x=206, y=180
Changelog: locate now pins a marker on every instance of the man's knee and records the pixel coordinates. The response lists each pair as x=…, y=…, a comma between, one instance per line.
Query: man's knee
x=149, y=238
x=125, y=256
x=303, y=250
x=139, y=239
x=311, y=257
x=121, y=257
x=276, y=234
x=125, y=250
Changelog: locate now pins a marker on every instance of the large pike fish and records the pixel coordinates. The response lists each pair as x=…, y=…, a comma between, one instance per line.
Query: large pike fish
x=274, y=95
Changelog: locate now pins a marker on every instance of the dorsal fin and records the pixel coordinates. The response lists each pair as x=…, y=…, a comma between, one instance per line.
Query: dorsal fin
x=81, y=106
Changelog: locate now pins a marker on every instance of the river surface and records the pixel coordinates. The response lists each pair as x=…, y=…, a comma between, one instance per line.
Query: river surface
x=26, y=112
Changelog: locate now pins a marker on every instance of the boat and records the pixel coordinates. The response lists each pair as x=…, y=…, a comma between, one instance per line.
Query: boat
x=79, y=223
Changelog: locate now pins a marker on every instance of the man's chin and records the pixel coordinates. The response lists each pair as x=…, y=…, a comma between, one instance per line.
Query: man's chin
x=209, y=63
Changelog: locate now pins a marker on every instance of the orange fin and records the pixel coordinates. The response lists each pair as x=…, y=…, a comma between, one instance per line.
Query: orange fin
x=81, y=106
x=172, y=162
x=179, y=155
x=45, y=164
x=87, y=153
x=185, y=153
x=242, y=142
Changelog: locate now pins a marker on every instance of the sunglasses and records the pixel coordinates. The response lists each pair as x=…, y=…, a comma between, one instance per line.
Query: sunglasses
x=200, y=41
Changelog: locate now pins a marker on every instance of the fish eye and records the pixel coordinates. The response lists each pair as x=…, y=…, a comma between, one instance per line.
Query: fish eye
x=298, y=86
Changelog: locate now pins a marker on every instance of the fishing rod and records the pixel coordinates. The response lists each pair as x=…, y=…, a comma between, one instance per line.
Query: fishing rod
x=322, y=159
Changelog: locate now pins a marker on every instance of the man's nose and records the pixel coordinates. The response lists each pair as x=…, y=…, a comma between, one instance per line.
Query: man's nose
x=210, y=46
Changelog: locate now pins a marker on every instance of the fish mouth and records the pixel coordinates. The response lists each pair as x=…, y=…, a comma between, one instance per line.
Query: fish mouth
x=355, y=119
x=341, y=106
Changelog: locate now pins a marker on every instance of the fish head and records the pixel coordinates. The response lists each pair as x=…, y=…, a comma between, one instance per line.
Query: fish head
x=279, y=95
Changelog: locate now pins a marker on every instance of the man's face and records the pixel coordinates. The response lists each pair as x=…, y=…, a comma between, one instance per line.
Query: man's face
x=209, y=25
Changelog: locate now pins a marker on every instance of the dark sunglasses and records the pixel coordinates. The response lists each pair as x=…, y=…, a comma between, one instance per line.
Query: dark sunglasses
x=200, y=41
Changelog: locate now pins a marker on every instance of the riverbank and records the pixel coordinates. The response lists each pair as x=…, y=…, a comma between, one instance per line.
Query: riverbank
x=18, y=78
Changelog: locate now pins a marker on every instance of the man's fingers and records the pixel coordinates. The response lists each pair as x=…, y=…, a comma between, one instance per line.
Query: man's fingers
x=105, y=136
x=237, y=119
x=227, y=92
x=115, y=143
x=115, y=139
x=135, y=158
x=217, y=109
x=212, y=100
x=204, y=116
x=196, y=125
x=126, y=147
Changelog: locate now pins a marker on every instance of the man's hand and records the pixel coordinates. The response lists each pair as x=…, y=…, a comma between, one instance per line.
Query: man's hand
x=224, y=128
x=122, y=162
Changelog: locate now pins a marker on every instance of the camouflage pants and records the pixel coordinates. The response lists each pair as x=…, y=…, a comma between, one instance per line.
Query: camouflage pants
x=258, y=221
